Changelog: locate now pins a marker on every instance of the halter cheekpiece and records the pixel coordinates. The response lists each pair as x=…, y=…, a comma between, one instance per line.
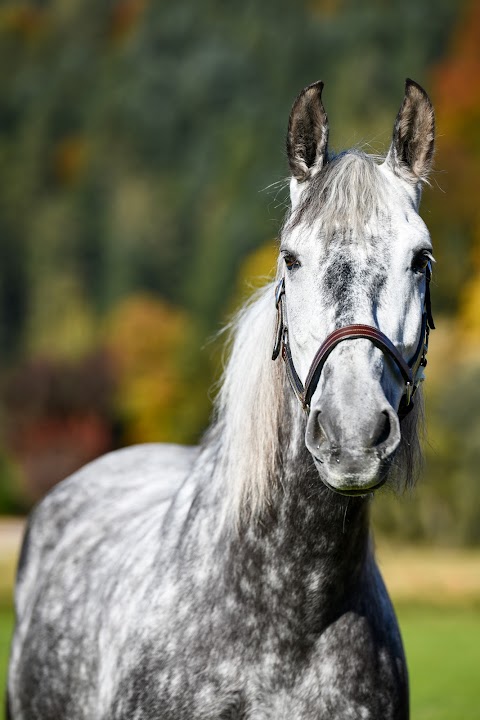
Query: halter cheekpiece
x=409, y=369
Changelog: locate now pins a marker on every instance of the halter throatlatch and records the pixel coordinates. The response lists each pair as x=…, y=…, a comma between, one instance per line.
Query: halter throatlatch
x=409, y=370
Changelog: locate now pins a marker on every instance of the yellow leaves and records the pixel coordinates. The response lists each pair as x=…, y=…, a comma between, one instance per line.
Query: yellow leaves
x=146, y=338
x=143, y=331
x=258, y=267
x=470, y=311
x=261, y=263
x=61, y=322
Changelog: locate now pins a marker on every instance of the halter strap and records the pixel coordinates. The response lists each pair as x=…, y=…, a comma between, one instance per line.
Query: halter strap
x=409, y=370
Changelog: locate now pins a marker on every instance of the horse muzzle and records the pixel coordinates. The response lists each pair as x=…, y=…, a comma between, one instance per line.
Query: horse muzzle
x=353, y=457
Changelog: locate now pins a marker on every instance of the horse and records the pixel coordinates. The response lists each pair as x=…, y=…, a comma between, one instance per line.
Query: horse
x=237, y=579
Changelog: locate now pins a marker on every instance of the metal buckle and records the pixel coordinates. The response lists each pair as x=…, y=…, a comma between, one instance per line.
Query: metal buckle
x=408, y=392
x=279, y=291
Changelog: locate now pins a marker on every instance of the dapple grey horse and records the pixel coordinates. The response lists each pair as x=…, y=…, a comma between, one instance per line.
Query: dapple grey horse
x=237, y=579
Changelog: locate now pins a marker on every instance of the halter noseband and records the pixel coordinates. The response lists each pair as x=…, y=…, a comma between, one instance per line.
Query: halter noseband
x=409, y=370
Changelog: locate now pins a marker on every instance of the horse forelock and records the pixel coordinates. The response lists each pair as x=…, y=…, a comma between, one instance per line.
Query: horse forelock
x=347, y=193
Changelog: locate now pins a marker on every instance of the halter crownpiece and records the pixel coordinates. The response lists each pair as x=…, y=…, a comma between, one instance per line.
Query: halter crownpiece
x=409, y=370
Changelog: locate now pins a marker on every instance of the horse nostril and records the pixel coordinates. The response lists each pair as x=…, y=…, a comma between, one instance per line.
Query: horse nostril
x=382, y=430
x=316, y=435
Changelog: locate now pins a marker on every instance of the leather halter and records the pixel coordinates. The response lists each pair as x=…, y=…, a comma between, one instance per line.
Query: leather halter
x=409, y=370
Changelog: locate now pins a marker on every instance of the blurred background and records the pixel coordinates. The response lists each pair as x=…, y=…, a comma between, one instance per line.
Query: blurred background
x=141, y=167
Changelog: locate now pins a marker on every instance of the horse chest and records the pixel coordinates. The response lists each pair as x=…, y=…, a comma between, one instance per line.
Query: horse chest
x=340, y=674
x=319, y=693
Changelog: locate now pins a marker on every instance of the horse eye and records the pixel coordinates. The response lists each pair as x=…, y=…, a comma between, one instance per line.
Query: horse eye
x=421, y=260
x=291, y=261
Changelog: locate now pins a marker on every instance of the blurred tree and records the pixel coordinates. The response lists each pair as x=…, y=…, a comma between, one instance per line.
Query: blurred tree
x=148, y=342
x=149, y=129
x=258, y=268
x=58, y=416
x=452, y=210
x=12, y=501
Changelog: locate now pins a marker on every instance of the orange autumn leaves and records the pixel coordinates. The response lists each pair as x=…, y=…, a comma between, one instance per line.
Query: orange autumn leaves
x=456, y=95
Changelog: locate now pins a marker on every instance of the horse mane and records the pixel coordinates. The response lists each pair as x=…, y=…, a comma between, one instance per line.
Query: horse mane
x=251, y=406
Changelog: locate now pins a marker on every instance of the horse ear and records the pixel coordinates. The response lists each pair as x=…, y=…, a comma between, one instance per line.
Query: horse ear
x=411, y=152
x=307, y=134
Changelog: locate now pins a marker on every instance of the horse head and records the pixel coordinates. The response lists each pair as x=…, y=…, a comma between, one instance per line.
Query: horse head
x=355, y=254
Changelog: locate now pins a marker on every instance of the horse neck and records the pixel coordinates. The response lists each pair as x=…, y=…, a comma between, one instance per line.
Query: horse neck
x=310, y=546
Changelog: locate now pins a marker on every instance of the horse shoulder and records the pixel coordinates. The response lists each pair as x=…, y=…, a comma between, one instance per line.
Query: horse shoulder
x=75, y=539
x=120, y=483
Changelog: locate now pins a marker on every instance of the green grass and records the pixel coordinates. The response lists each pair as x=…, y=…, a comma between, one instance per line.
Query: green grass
x=6, y=628
x=443, y=653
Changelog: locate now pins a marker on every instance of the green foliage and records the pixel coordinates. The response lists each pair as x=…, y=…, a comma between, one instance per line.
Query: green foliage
x=11, y=499
x=135, y=136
